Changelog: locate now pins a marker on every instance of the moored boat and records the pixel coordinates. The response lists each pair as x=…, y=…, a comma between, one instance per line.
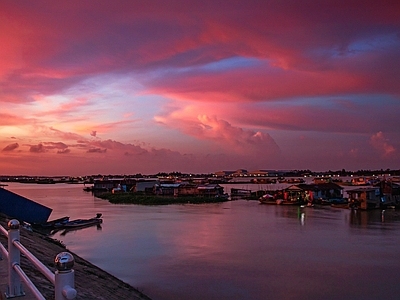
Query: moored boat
x=80, y=223
x=51, y=224
x=267, y=199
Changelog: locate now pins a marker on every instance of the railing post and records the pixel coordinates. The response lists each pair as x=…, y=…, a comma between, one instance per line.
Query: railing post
x=14, y=288
x=64, y=277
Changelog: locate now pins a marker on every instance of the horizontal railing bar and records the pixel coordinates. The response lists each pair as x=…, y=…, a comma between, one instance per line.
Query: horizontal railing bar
x=38, y=264
x=3, y=230
x=38, y=295
x=3, y=251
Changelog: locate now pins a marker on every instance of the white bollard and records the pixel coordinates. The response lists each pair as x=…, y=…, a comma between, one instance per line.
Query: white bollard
x=64, y=277
x=14, y=288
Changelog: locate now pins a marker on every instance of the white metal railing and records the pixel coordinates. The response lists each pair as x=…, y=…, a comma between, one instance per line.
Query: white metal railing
x=62, y=279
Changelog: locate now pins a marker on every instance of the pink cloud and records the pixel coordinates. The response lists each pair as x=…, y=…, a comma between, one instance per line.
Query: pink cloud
x=330, y=115
x=39, y=148
x=381, y=144
x=63, y=135
x=287, y=34
x=223, y=133
x=11, y=147
x=265, y=83
x=249, y=67
x=96, y=150
x=63, y=151
x=11, y=119
x=70, y=107
x=47, y=146
x=54, y=145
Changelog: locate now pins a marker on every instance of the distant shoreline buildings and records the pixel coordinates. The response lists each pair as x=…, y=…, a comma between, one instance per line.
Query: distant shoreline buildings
x=217, y=177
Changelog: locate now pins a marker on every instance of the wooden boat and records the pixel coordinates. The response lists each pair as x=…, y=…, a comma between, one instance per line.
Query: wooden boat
x=51, y=224
x=267, y=199
x=88, y=188
x=80, y=223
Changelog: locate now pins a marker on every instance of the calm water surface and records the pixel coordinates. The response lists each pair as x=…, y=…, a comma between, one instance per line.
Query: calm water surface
x=234, y=250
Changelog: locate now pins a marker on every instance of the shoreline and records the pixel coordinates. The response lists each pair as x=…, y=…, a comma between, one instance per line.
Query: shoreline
x=143, y=199
x=91, y=282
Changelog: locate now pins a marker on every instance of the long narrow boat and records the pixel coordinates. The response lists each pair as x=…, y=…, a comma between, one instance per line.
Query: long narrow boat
x=51, y=224
x=80, y=223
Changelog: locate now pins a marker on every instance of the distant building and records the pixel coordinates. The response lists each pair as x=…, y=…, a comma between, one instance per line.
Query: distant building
x=210, y=190
x=240, y=172
x=259, y=173
x=124, y=184
x=359, y=181
x=319, y=180
x=145, y=185
x=223, y=173
x=270, y=173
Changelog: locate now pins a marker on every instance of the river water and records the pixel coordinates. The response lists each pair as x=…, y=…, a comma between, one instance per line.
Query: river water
x=233, y=250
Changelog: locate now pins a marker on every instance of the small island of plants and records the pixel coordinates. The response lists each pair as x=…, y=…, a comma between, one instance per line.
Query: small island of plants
x=146, y=199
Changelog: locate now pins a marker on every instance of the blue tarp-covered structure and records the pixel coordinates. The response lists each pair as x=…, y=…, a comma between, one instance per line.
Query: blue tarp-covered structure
x=23, y=209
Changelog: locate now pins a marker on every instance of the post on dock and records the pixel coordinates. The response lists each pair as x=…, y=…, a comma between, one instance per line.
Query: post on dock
x=64, y=277
x=14, y=288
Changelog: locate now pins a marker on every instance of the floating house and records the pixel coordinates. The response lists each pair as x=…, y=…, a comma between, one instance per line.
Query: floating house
x=313, y=192
x=166, y=189
x=365, y=198
x=389, y=193
x=186, y=189
x=124, y=184
x=145, y=185
x=210, y=190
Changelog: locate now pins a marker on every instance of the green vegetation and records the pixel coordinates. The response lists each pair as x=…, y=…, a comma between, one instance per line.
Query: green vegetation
x=131, y=198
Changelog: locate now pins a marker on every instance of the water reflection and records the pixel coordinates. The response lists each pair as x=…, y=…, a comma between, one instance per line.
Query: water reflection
x=235, y=250
x=65, y=231
x=373, y=218
x=302, y=218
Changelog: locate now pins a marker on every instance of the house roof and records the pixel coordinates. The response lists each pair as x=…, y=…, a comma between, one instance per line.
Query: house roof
x=363, y=189
x=294, y=188
x=169, y=185
x=209, y=187
x=21, y=208
x=320, y=186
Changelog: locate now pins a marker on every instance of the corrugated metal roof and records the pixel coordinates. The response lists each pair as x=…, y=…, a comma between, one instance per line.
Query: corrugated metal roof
x=23, y=209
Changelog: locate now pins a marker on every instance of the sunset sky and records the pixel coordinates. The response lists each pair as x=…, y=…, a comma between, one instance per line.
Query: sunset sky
x=126, y=87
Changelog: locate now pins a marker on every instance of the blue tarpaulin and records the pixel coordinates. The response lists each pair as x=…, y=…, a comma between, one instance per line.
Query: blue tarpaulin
x=23, y=209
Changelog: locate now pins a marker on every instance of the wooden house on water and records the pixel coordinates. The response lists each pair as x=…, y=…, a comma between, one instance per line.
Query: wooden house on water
x=365, y=198
x=187, y=189
x=383, y=194
x=175, y=189
x=210, y=190
x=329, y=192
x=390, y=193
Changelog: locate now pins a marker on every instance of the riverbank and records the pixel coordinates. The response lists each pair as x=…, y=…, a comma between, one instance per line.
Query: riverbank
x=91, y=282
x=131, y=198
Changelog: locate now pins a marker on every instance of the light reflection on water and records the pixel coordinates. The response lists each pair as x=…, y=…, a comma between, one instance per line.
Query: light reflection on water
x=234, y=250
